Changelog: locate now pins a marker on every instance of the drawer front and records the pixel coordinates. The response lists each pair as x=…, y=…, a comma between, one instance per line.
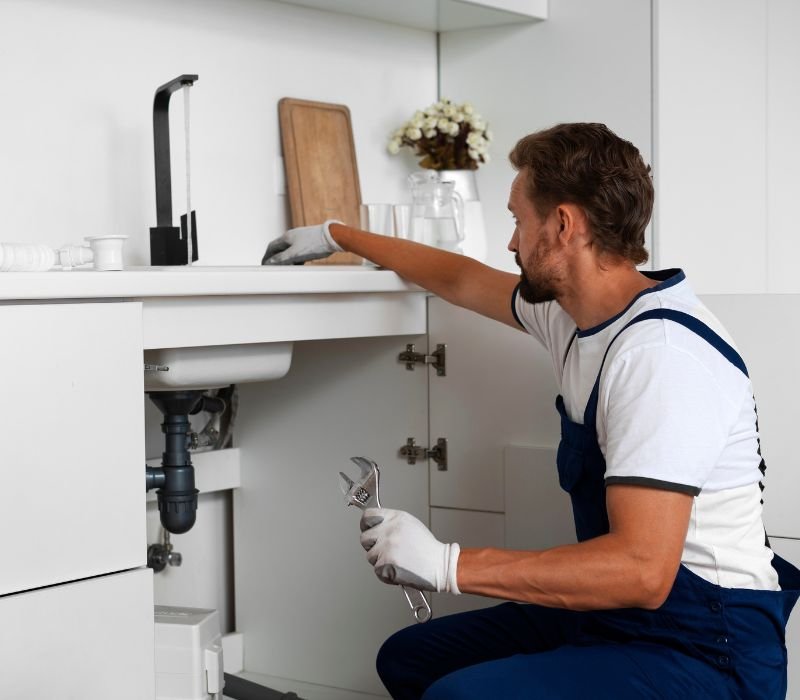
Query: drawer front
x=72, y=429
x=88, y=640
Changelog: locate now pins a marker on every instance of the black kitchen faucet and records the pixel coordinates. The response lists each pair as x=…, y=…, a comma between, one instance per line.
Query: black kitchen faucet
x=168, y=243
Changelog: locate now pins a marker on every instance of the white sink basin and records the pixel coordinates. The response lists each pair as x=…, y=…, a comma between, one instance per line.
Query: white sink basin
x=214, y=366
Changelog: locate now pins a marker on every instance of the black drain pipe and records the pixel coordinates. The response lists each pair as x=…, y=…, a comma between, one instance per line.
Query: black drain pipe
x=177, y=495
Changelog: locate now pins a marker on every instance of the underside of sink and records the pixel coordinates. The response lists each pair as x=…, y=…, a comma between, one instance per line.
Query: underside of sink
x=214, y=366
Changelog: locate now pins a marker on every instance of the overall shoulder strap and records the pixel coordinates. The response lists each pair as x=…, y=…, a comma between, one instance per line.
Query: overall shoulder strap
x=687, y=320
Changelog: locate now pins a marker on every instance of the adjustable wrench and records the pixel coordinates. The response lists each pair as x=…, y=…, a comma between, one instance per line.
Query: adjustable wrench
x=365, y=493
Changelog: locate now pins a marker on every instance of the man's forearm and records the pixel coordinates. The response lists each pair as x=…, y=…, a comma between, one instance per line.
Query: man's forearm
x=598, y=574
x=436, y=270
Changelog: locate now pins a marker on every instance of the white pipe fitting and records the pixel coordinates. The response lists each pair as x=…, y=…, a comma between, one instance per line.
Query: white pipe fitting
x=74, y=256
x=104, y=251
x=107, y=251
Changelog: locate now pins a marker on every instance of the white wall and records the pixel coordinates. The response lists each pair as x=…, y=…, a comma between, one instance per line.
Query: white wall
x=589, y=61
x=78, y=79
x=727, y=144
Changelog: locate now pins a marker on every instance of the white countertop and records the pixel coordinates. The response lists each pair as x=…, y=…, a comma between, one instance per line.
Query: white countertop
x=198, y=280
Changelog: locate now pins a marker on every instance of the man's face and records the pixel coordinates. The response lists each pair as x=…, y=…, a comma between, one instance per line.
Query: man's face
x=534, y=246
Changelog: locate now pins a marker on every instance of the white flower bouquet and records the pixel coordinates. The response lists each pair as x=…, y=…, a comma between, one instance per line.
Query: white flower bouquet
x=446, y=135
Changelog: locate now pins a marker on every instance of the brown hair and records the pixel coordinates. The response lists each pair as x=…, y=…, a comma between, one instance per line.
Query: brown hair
x=589, y=165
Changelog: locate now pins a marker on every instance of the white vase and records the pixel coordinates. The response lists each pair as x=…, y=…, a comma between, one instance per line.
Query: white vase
x=475, y=243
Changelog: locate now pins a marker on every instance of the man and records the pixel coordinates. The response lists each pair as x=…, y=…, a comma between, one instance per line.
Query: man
x=672, y=589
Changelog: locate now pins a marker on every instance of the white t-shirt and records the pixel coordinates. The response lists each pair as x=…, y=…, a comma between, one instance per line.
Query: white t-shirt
x=672, y=413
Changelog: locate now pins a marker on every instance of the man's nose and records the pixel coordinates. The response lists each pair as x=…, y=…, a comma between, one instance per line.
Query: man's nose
x=512, y=244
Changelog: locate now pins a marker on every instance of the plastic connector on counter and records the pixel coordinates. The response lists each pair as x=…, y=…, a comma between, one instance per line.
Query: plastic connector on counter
x=74, y=256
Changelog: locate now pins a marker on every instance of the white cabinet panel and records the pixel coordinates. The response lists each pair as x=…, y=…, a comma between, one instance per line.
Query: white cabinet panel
x=710, y=142
x=538, y=510
x=469, y=529
x=766, y=329
x=307, y=601
x=89, y=640
x=783, y=144
x=790, y=550
x=499, y=390
x=73, y=499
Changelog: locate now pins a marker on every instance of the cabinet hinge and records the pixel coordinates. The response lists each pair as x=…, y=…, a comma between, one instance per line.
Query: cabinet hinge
x=438, y=359
x=412, y=452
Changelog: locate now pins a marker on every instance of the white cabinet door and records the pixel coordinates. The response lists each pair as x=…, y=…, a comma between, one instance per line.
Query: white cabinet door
x=783, y=145
x=470, y=528
x=73, y=496
x=307, y=602
x=766, y=330
x=499, y=390
x=89, y=640
x=710, y=83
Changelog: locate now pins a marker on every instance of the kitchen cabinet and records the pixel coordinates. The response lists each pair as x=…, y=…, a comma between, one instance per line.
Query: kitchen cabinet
x=73, y=453
x=72, y=506
x=77, y=593
x=764, y=327
x=301, y=578
x=499, y=390
x=437, y=15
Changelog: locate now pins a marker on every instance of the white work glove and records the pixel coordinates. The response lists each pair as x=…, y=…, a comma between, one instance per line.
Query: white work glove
x=300, y=244
x=403, y=551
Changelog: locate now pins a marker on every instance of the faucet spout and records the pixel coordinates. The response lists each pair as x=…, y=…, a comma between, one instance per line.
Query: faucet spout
x=166, y=242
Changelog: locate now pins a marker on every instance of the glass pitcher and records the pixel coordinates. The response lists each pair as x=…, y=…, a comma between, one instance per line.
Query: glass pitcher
x=437, y=211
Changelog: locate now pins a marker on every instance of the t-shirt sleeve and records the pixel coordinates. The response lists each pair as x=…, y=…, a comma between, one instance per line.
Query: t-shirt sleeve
x=665, y=419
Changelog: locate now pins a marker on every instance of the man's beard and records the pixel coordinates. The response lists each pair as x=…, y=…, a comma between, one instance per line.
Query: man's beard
x=541, y=289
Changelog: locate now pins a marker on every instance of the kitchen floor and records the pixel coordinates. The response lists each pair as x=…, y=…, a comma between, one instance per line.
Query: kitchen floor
x=307, y=691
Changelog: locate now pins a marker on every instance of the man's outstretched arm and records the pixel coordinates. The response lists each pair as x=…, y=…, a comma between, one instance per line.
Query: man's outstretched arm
x=456, y=278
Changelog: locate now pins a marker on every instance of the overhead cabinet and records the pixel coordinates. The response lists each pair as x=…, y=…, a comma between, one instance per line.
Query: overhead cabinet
x=437, y=15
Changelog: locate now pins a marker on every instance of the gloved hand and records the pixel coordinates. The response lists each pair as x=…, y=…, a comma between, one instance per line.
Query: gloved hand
x=403, y=551
x=300, y=244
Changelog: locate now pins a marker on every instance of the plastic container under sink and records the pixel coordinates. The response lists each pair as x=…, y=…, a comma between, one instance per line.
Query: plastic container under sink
x=214, y=366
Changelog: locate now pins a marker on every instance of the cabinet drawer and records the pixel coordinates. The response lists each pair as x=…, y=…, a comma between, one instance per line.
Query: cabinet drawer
x=72, y=429
x=89, y=640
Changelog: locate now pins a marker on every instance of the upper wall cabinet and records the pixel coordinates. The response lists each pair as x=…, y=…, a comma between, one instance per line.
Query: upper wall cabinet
x=437, y=15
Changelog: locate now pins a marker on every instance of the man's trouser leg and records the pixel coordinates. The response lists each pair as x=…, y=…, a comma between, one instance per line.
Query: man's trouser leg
x=414, y=658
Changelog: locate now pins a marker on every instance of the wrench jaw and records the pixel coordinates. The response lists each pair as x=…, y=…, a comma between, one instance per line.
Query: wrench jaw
x=364, y=491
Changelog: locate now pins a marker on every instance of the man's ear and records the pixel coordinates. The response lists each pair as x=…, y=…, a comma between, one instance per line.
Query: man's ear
x=572, y=223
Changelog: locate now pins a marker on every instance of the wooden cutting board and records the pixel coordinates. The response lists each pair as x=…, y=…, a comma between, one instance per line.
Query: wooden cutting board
x=320, y=161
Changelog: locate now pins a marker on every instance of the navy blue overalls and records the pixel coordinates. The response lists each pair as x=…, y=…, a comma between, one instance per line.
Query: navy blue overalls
x=704, y=642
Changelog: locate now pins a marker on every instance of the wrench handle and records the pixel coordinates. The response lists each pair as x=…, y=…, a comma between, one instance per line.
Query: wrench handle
x=418, y=603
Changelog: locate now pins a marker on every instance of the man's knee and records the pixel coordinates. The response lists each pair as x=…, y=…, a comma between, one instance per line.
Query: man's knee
x=395, y=655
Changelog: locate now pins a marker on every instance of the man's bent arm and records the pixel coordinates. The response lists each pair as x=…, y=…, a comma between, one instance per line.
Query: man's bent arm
x=632, y=566
x=456, y=278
